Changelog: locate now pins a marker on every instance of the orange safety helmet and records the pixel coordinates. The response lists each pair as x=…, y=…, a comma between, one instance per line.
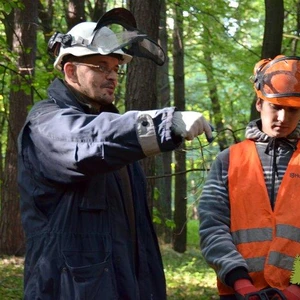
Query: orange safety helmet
x=278, y=80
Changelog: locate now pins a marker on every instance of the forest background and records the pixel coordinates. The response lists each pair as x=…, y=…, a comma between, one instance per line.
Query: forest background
x=212, y=47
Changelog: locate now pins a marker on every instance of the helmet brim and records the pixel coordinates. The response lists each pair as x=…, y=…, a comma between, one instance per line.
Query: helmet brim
x=80, y=51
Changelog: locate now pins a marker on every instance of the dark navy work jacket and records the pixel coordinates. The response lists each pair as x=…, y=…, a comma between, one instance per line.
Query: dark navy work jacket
x=78, y=241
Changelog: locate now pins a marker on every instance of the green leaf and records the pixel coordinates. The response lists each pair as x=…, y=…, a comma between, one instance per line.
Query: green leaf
x=295, y=277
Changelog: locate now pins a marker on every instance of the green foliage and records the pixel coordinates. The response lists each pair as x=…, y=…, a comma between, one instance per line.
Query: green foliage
x=193, y=233
x=156, y=216
x=231, y=34
x=11, y=278
x=170, y=223
x=6, y=6
x=188, y=276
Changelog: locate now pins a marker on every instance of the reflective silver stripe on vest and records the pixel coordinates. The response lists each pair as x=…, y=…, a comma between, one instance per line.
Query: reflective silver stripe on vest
x=256, y=264
x=288, y=232
x=252, y=235
x=265, y=234
x=281, y=261
x=276, y=259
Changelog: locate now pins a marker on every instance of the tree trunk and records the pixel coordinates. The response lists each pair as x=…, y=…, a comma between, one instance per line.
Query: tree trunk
x=272, y=41
x=163, y=161
x=97, y=10
x=75, y=12
x=180, y=212
x=213, y=93
x=273, y=28
x=295, y=41
x=24, y=39
x=141, y=89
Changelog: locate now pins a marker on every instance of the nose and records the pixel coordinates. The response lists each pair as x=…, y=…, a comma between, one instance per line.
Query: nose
x=112, y=74
x=281, y=115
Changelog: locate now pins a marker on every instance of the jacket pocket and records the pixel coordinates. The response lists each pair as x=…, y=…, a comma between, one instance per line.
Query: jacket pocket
x=87, y=276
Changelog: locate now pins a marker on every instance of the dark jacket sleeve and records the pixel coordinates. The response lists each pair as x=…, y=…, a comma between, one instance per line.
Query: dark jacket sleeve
x=65, y=144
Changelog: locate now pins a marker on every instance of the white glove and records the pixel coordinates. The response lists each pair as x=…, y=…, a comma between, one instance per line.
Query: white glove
x=190, y=124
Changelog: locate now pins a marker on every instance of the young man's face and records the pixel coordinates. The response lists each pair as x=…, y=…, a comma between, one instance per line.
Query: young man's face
x=277, y=121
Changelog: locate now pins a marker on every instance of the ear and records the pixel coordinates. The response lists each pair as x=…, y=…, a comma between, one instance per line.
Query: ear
x=258, y=104
x=70, y=72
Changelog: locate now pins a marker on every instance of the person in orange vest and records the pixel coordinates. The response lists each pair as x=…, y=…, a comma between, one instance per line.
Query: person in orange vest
x=249, y=209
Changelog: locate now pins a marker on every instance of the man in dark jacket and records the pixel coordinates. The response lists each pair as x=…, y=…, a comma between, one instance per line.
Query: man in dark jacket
x=84, y=210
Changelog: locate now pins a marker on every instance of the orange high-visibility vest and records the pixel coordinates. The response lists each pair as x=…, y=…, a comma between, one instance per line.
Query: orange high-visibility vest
x=268, y=239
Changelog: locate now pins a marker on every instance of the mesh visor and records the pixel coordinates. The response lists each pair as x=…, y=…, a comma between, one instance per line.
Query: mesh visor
x=281, y=78
x=117, y=30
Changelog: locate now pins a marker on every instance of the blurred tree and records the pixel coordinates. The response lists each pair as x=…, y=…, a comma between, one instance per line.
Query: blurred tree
x=180, y=201
x=141, y=90
x=24, y=28
x=163, y=201
x=75, y=12
x=273, y=35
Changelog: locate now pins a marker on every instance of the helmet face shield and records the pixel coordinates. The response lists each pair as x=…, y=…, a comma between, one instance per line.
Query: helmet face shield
x=278, y=80
x=108, y=41
x=126, y=37
x=132, y=42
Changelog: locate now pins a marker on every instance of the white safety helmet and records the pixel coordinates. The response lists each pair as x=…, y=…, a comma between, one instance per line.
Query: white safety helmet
x=79, y=38
x=114, y=33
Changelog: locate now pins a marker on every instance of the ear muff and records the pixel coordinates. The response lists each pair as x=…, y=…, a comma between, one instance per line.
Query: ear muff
x=257, y=72
x=256, y=82
x=57, y=40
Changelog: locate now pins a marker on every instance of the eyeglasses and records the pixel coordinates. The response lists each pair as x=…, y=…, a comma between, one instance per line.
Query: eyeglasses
x=102, y=69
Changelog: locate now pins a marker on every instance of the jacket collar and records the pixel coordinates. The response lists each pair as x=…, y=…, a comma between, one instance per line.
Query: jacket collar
x=253, y=132
x=63, y=95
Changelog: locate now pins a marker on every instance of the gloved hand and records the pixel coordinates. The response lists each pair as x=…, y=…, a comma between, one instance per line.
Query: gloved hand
x=190, y=124
x=292, y=292
x=242, y=287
